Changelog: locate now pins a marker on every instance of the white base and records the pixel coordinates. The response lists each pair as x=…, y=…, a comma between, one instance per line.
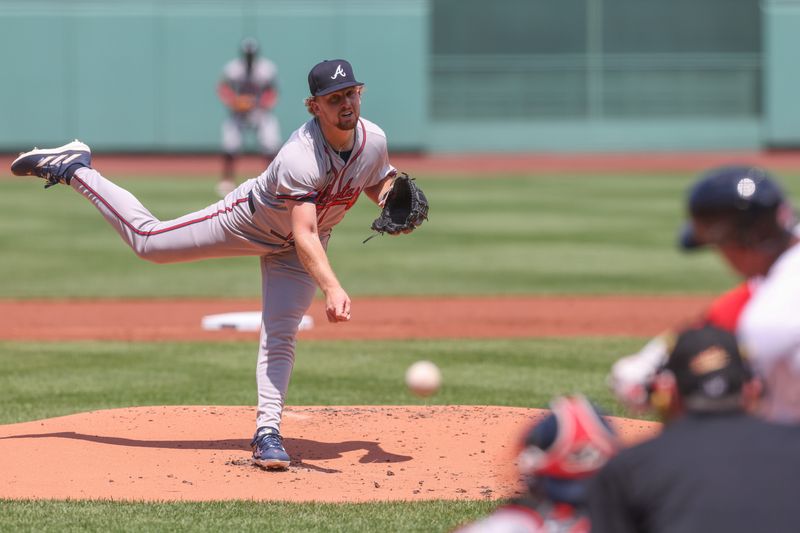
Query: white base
x=245, y=321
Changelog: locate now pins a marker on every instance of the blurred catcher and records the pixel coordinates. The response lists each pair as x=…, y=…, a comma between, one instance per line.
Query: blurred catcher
x=560, y=455
x=249, y=91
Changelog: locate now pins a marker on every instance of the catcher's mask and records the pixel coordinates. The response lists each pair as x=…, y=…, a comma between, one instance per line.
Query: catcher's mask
x=562, y=451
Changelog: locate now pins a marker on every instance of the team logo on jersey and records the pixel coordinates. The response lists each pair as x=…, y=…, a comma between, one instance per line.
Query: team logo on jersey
x=339, y=72
x=346, y=196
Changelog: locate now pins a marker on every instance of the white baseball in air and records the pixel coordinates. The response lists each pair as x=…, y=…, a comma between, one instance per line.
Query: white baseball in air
x=423, y=378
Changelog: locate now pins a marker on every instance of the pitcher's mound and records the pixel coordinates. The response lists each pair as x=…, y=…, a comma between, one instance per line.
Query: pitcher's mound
x=339, y=454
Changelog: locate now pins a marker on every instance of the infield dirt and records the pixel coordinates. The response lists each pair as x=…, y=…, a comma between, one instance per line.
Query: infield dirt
x=340, y=454
x=373, y=318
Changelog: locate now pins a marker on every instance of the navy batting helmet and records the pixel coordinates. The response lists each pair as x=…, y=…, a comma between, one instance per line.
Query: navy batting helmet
x=736, y=193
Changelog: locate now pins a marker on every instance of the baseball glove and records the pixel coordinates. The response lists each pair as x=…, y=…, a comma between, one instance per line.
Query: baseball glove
x=243, y=103
x=405, y=208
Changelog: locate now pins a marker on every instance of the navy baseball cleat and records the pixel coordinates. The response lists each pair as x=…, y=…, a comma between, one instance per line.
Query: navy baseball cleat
x=268, y=449
x=55, y=165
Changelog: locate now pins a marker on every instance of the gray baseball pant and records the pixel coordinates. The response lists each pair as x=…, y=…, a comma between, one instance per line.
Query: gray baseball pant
x=226, y=228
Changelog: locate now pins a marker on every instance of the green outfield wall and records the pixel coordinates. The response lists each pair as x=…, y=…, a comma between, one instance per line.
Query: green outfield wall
x=782, y=73
x=141, y=75
x=441, y=75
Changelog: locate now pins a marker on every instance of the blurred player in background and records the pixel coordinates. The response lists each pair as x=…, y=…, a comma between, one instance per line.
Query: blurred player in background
x=742, y=212
x=559, y=456
x=248, y=89
x=714, y=467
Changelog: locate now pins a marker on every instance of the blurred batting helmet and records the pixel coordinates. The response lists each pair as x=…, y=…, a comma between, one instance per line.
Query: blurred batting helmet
x=737, y=196
x=562, y=451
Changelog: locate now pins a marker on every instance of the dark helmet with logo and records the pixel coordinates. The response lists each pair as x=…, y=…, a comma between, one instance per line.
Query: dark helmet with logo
x=742, y=202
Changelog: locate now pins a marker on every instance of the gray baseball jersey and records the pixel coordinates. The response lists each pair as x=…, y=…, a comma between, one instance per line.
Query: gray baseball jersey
x=254, y=220
x=307, y=169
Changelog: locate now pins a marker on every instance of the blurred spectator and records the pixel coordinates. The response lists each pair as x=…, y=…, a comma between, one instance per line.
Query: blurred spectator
x=714, y=467
x=248, y=89
x=745, y=215
x=559, y=455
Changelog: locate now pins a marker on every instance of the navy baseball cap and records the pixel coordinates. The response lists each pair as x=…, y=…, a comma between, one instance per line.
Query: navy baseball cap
x=707, y=363
x=331, y=75
x=730, y=189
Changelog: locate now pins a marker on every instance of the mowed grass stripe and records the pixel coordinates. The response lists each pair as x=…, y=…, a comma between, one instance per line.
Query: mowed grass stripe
x=499, y=235
x=90, y=516
x=42, y=380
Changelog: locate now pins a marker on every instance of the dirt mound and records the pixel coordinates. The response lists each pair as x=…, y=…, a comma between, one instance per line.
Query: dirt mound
x=339, y=454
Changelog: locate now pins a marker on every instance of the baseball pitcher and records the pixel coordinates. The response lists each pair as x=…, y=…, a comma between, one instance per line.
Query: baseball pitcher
x=284, y=216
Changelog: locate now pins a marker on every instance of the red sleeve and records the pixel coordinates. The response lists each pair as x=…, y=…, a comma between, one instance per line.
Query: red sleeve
x=725, y=310
x=225, y=93
x=268, y=98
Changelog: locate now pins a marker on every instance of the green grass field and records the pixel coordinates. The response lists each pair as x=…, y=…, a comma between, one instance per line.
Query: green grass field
x=505, y=235
x=41, y=380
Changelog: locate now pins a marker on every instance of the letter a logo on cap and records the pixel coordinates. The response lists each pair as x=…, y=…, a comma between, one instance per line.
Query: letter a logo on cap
x=339, y=72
